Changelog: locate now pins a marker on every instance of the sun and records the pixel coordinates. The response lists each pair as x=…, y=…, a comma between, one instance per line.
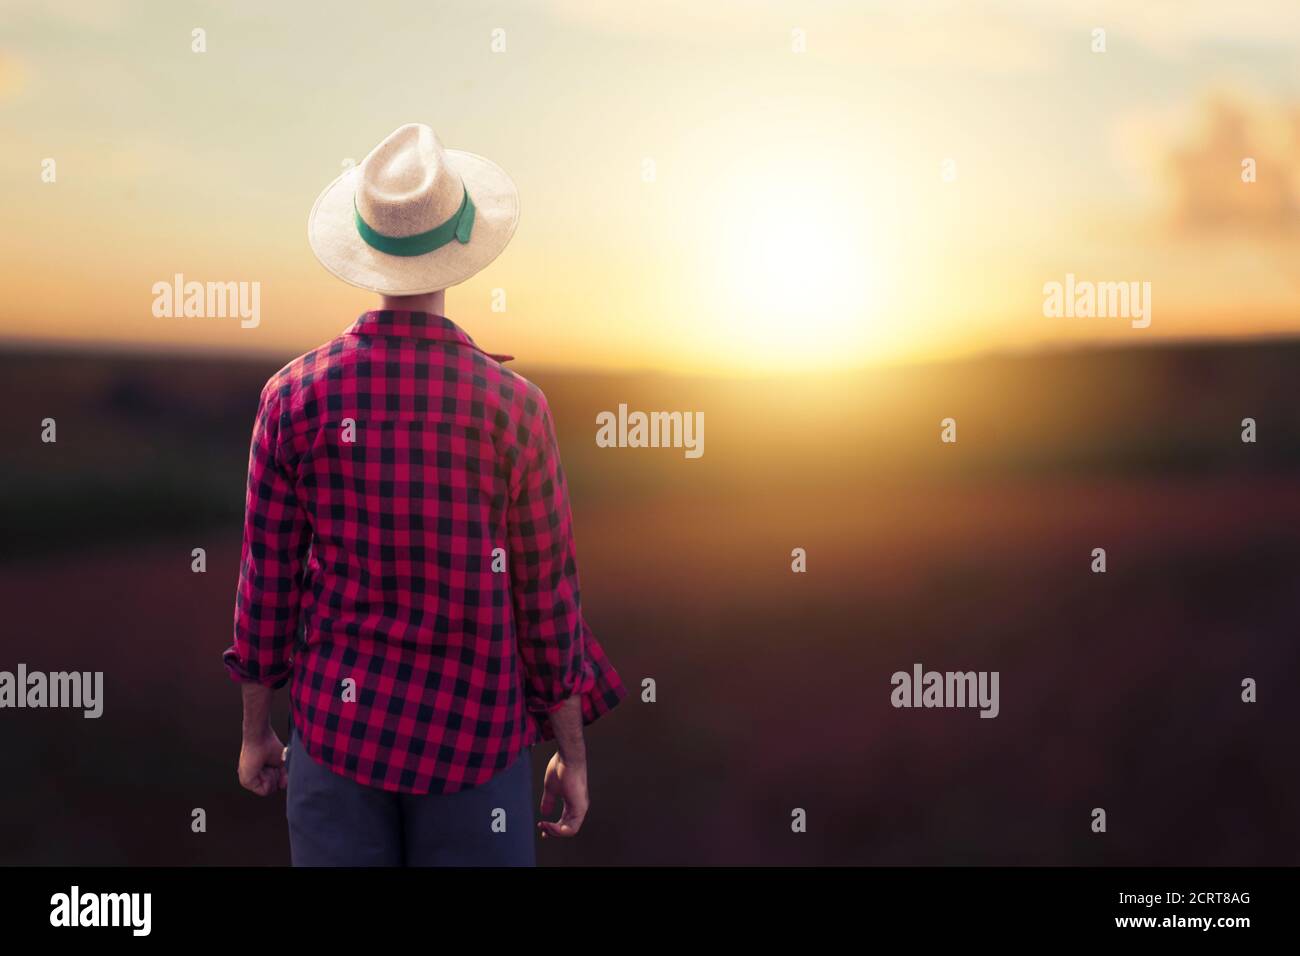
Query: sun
x=800, y=271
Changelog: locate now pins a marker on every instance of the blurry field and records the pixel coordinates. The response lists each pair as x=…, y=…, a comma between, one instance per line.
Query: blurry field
x=1119, y=690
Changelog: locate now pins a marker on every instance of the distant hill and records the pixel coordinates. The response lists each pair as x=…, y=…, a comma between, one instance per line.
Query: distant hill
x=153, y=443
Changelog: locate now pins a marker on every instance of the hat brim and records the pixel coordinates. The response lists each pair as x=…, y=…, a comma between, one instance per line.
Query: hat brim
x=332, y=232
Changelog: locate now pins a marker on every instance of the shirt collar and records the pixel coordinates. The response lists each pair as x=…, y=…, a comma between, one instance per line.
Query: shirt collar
x=419, y=325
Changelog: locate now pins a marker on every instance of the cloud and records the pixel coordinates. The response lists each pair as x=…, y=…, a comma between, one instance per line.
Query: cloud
x=1206, y=189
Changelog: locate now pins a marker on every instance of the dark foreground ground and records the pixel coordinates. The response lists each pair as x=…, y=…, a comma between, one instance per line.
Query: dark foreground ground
x=1119, y=691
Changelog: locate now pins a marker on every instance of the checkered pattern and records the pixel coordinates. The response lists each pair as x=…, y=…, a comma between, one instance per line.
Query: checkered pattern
x=369, y=551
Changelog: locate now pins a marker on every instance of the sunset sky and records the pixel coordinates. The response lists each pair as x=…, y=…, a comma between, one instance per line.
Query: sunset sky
x=798, y=214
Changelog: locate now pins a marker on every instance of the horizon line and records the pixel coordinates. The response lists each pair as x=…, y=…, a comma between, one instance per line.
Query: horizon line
x=54, y=347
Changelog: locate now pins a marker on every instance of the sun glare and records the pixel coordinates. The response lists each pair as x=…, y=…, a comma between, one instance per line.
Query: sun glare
x=800, y=275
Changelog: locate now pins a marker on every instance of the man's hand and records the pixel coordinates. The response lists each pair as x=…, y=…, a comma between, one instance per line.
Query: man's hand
x=261, y=764
x=567, y=782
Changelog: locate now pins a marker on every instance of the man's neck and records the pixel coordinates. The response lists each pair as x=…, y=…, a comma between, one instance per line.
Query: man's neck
x=434, y=302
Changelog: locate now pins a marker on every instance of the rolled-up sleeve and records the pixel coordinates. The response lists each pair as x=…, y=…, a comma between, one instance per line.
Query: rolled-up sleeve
x=560, y=654
x=276, y=533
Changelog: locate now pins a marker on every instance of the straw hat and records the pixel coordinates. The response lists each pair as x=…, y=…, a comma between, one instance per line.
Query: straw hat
x=413, y=217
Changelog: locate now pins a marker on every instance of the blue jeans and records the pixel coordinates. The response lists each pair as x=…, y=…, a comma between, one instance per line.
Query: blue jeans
x=335, y=821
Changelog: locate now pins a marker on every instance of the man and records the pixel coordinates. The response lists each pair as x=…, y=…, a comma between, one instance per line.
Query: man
x=408, y=561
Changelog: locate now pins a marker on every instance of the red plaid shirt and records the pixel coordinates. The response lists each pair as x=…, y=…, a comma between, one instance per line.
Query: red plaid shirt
x=408, y=530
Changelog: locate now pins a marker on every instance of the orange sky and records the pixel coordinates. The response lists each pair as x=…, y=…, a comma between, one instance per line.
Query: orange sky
x=696, y=192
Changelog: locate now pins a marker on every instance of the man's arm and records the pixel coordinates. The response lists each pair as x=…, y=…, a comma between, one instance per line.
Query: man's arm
x=548, y=619
x=261, y=758
x=566, y=774
x=276, y=532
